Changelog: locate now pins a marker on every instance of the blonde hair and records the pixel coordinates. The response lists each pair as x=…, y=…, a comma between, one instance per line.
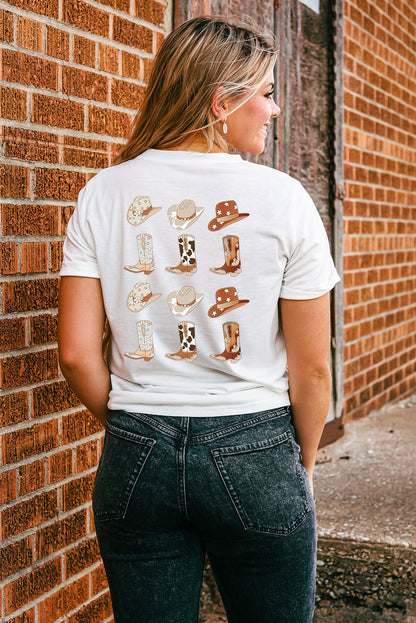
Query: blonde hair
x=195, y=59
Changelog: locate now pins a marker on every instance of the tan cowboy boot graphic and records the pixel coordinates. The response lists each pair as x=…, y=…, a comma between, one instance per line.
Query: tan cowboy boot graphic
x=188, y=351
x=232, y=352
x=145, y=338
x=145, y=251
x=187, y=254
x=232, y=265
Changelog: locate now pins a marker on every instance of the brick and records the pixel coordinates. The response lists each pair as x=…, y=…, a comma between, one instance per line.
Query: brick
x=108, y=58
x=7, y=26
x=28, y=514
x=8, y=492
x=77, y=426
x=14, y=181
x=93, y=157
x=63, y=601
x=61, y=113
x=92, y=85
x=86, y=456
x=61, y=534
x=150, y=11
x=60, y=466
x=132, y=34
x=29, y=34
x=26, y=442
x=13, y=103
x=38, y=581
x=98, y=580
x=86, y=17
x=9, y=258
x=159, y=40
x=43, y=7
x=55, y=256
x=81, y=557
x=43, y=329
x=34, y=257
x=57, y=184
x=30, y=220
x=127, y=94
x=57, y=43
x=131, y=65
x=109, y=122
x=16, y=557
x=120, y=5
x=32, y=477
x=12, y=334
x=97, y=610
x=29, y=368
x=55, y=397
x=84, y=51
x=29, y=70
x=30, y=145
x=147, y=68
x=77, y=492
x=13, y=408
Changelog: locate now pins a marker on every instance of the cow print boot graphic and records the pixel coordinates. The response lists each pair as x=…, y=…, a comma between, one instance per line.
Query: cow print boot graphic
x=145, y=252
x=187, y=254
x=232, y=352
x=188, y=351
x=145, y=338
x=232, y=265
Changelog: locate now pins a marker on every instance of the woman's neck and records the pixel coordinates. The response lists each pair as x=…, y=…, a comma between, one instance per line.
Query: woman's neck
x=196, y=144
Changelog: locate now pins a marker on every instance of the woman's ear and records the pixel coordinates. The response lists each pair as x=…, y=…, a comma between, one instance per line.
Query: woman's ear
x=219, y=105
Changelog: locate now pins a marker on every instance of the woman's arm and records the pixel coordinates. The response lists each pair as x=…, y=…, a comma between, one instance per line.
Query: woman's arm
x=80, y=333
x=307, y=332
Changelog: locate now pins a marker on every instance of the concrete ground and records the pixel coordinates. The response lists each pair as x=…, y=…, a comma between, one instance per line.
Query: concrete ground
x=365, y=490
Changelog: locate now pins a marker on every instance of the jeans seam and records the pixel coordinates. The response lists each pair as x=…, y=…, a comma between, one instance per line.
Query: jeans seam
x=182, y=467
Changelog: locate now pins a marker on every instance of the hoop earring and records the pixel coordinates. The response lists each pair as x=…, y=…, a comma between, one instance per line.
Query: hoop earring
x=224, y=126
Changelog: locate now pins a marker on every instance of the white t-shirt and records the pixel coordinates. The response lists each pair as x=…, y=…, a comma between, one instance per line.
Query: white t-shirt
x=193, y=252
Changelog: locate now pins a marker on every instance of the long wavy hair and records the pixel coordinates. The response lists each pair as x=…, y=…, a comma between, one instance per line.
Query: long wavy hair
x=195, y=59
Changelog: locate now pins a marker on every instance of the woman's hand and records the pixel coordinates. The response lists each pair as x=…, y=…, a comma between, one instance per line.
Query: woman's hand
x=80, y=333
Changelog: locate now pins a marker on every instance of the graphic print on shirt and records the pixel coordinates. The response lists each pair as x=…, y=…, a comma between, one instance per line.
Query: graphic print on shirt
x=232, y=264
x=141, y=296
x=226, y=300
x=188, y=350
x=226, y=214
x=232, y=351
x=140, y=210
x=184, y=214
x=187, y=253
x=145, y=351
x=145, y=252
x=183, y=301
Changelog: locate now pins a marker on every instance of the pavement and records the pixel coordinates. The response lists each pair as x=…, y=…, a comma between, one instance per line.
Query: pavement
x=365, y=490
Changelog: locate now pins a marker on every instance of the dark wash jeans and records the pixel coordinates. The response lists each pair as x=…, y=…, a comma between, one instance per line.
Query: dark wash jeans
x=170, y=489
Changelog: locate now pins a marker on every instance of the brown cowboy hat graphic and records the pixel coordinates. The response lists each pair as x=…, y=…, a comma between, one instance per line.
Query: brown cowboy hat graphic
x=226, y=214
x=226, y=300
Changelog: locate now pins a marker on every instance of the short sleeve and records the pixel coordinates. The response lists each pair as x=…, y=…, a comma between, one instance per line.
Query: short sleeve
x=79, y=257
x=309, y=271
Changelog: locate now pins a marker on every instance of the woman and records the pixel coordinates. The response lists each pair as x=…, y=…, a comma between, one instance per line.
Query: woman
x=213, y=274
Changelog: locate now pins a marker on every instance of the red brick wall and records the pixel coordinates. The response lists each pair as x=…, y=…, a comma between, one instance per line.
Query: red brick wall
x=73, y=72
x=380, y=225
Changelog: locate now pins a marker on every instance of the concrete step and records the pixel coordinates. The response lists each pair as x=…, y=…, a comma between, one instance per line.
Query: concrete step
x=365, y=489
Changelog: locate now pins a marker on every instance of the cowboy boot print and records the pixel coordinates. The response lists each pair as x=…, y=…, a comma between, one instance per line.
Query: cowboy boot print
x=232, y=352
x=145, y=252
x=232, y=265
x=187, y=254
x=145, y=351
x=188, y=350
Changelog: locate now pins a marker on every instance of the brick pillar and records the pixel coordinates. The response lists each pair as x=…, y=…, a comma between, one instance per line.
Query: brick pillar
x=380, y=200
x=73, y=75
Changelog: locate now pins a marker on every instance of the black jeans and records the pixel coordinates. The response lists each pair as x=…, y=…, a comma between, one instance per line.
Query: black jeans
x=170, y=489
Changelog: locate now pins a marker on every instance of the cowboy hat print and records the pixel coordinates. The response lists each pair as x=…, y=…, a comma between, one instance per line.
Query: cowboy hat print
x=184, y=214
x=226, y=300
x=140, y=210
x=226, y=214
x=183, y=301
